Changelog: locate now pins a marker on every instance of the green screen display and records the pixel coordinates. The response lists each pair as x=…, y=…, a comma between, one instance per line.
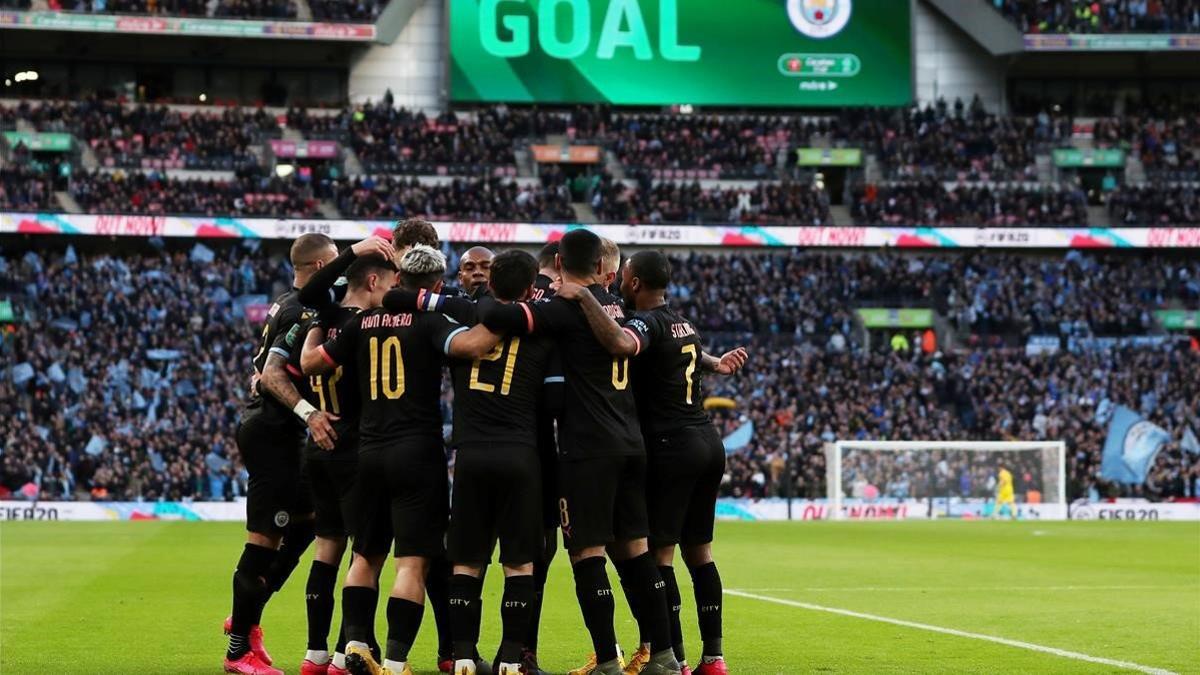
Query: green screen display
x=814, y=53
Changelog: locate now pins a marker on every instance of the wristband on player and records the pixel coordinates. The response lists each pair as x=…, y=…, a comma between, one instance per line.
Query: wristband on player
x=303, y=409
x=428, y=301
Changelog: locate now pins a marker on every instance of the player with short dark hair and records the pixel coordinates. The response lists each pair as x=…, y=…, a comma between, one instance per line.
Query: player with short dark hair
x=474, y=268
x=269, y=437
x=402, y=482
x=602, y=459
x=332, y=474
x=497, y=476
x=685, y=455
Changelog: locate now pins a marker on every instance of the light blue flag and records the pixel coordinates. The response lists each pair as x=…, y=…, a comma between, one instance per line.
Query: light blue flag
x=1189, y=441
x=1131, y=447
x=740, y=438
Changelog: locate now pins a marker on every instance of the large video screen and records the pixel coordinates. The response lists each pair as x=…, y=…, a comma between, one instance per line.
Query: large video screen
x=812, y=53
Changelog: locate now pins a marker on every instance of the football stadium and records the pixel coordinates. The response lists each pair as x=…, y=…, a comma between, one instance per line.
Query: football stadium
x=600, y=337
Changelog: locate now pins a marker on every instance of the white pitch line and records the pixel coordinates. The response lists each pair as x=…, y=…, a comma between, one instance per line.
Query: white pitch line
x=951, y=589
x=957, y=633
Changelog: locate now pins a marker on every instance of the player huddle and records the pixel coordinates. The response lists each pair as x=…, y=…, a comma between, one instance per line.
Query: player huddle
x=573, y=409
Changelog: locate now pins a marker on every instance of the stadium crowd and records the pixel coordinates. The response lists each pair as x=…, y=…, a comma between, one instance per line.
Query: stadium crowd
x=481, y=199
x=928, y=202
x=153, y=193
x=127, y=371
x=1103, y=16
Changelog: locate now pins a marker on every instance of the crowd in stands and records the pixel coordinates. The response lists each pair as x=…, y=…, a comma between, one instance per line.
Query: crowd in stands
x=792, y=203
x=1155, y=204
x=1103, y=16
x=125, y=373
x=356, y=11
x=484, y=199
x=152, y=193
x=801, y=397
x=23, y=188
x=928, y=202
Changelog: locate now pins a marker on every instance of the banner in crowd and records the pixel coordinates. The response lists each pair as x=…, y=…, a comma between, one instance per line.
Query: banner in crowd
x=1098, y=158
x=1131, y=446
x=811, y=53
x=1111, y=42
x=1178, y=319
x=883, y=317
x=828, y=157
x=566, y=154
x=172, y=25
x=624, y=234
x=1134, y=509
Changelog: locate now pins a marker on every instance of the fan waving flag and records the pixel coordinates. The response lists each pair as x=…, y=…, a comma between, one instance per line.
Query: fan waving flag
x=1131, y=447
x=740, y=438
x=1189, y=441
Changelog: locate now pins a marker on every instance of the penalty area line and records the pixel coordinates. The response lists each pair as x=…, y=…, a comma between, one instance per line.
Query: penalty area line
x=955, y=632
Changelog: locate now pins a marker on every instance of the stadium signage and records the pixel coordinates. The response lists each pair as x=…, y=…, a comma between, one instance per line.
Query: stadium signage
x=828, y=157
x=1099, y=158
x=626, y=234
x=875, y=317
x=23, y=511
x=566, y=154
x=1130, y=509
x=1178, y=319
x=1112, y=42
x=664, y=52
x=304, y=149
x=242, y=28
x=39, y=142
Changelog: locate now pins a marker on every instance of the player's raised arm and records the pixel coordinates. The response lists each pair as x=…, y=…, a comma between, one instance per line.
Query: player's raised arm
x=316, y=293
x=325, y=358
x=618, y=340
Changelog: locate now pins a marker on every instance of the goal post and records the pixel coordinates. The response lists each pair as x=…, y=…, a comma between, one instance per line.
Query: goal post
x=863, y=471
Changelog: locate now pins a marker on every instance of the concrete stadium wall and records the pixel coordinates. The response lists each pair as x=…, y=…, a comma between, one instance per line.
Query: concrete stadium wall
x=412, y=66
x=949, y=64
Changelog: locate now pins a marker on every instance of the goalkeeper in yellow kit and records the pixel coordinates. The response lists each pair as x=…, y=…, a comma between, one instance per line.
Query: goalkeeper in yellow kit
x=1004, y=494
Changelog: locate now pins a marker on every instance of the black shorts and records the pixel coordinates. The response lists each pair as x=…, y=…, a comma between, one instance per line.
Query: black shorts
x=332, y=480
x=277, y=492
x=603, y=500
x=684, y=471
x=497, y=493
x=403, y=497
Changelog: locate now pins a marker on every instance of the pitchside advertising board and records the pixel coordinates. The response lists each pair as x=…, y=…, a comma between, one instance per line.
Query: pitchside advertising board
x=814, y=53
x=727, y=509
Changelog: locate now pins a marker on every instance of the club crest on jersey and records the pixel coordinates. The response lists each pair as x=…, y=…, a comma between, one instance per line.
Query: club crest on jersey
x=819, y=18
x=281, y=519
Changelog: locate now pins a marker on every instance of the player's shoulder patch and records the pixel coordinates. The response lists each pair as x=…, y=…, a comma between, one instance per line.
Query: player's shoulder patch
x=292, y=334
x=638, y=324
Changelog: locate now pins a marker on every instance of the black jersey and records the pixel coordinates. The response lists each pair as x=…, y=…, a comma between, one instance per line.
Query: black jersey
x=398, y=359
x=279, y=336
x=496, y=398
x=599, y=416
x=335, y=393
x=542, y=289
x=666, y=371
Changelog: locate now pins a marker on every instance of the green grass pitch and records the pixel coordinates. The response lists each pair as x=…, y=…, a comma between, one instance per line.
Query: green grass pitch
x=149, y=597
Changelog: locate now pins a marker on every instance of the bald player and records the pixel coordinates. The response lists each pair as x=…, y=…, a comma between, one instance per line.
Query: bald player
x=475, y=268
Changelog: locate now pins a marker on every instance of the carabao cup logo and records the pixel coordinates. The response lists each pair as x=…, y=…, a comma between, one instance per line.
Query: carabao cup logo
x=819, y=18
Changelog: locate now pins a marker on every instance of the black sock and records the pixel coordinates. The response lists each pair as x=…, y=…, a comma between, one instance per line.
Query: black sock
x=596, y=601
x=519, y=592
x=296, y=540
x=437, y=587
x=249, y=589
x=340, y=647
x=404, y=621
x=358, y=613
x=674, y=604
x=645, y=582
x=633, y=598
x=371, y=640
x=541, y=569
x=465, y=592
x=707, y=584
x=318, y=600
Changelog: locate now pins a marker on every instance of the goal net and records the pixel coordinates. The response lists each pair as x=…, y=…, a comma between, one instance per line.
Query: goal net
x=945, y=479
